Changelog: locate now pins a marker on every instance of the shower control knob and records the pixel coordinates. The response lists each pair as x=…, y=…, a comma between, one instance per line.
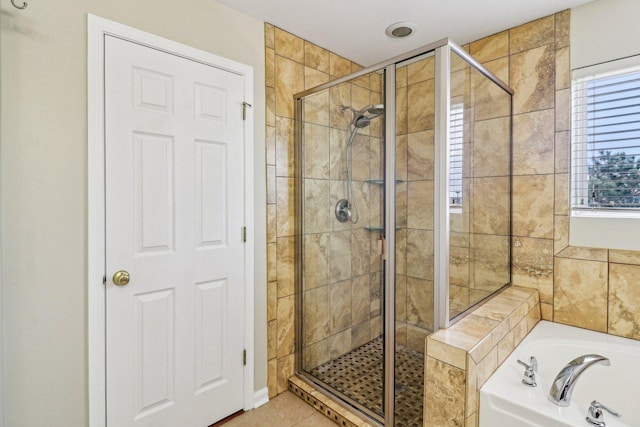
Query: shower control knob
x=343, y=210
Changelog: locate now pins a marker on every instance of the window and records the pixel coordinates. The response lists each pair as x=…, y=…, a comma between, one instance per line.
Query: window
x=605, y=156
x=456, y=141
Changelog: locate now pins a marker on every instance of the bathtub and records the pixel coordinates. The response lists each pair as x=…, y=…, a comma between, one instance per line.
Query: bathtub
x=506, y=402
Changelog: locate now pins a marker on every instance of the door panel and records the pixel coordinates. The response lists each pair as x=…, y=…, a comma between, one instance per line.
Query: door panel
x=175, y=209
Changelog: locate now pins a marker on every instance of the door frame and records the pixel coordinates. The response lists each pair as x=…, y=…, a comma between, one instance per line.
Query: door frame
x=98, y=28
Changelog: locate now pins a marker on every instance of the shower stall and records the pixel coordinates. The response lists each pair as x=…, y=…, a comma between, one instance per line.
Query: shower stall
x=403, y=220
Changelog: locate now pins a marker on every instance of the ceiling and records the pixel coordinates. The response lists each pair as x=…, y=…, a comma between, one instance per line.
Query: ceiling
x=355, y=29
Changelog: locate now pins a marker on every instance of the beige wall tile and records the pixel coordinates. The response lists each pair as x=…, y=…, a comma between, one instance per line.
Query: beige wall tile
x=272, y=302
x=360, y=299
x=420, y=71
x=270, y=108
x=448, y=354
x=467, y=332
x=560, y=233
x=286, y=327
x=421, y=99
x=563, y=21
x=546, y=311
x=289, y=81
x=316, y=260
x=272, y=339
x=533, y=143
x=624, y=257
x=487, y=366
x=338, y=66
x=316, y=57
x=316, y=205
x=563, y=110
x=533, y=206
x=419, y=158
x=420, y=303
x=316, y=354
x=316, y=314
x=563, y=69
x=491, y=147
x=340, y=256
x=286, y=366
x=420, y=254
x=624, y=300
x=289, y=46
x=270, y=145
x=489, y=100
x=270, y=68
x=316, y=151
x=533, y=79
x=589, y=254
x=402, y=111
x=285, y=143
x=492, y=47
x=562, y=152
x=490, y=268
x=339, y=96
x=360, y=334
x=472, y=387
x=580, y=293
x=444, y=394
x=416, y=338
x=491, y=205
x=285, y=264
x=340, y=306
x=532, y=35
x=272, y=377
x=313, y=78
x=285, y=191
x=316, y=108
x=271, y=262
x=532, y=265
x=562, y=194
x=420, y=205
x=401, y=77
x=505, y=347
x=269, y=36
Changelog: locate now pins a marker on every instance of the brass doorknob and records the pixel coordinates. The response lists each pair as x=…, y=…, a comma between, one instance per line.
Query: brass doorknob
x=121, y=278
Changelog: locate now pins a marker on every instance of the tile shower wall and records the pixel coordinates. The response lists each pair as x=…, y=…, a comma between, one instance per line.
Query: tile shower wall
x=342, y=284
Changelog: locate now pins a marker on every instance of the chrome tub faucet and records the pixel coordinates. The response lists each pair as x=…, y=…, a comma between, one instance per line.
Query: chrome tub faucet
x=562, y=386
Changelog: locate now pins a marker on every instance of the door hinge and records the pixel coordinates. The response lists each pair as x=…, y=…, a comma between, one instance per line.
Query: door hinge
x=381, y=248
x=244, y=234
x=244, y=109
x=244, y=357
x=104, y=280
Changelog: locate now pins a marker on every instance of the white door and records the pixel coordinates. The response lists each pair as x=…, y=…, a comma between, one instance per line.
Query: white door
x=174, y=211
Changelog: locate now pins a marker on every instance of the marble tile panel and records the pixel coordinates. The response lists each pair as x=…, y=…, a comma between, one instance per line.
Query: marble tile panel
x=482, y=348
x=471, y=420
x=420, y=156
x=401, y=77
x=472, y=386
x=316, y=108
x=490, y=268
x=533, y=317
x=562, y=194
x=377, y=82
x=421, y=106
x=271, y=185
x=533, y=79
x=401, y=298
x=560, y=233
x=364, y=81
x=272, y=377
x=289, y=46
x=624, y=300
x=340, y=299
x=532, y=35
x=270, y=68
x=289, y=81
x=420, y=303
x=285, y=198
x=360, y=252
x=420, y=71
x=316, y=206
x=285, y=326
x=562, y=152
x=340, y=256
x=492, y=146
x=492, y=47
x=270, y=107
x=563, y=110
x=272, y=269
x=420, y=205
x=272, y=339
x=316, y=315
x=402, y=147
x=339, y=96
x=360, y=299
x=444, y=394
x=316, y=57
x=337, y=155
x=270, y=145
x=459, y=265
x=340, y=343
x=401, y=251
x=269, y=36
x=458, y=299
x=402, y=111
x=589, y=254
x=580, y=294
x=416, y=337
x=491, y=205
x=401, y=333
x=533, y=206
x=285, y=144
x=285, y=263
x=286, y=368
x=489, y=100
x=420, y=254
x=624, y=257
x=532, y=265
x=376, y=325
x=313, y=78
x=316, y=354
x=533, y=143
x=272, y=300
x=546, y=311
x=467, y=332
x=360, y=157
x=376, y=158
x=360, y=98
x=563, y=24
x=316, y=151
x=376, y=206
x=316, y=260
x=518, y=293
x=338, y=66
x=460, y=82
x=376, y=294
x=497, y=308
x=487, y=366
x=500, y=332
x=499, y=68
x=563, y=69
x=360, y=334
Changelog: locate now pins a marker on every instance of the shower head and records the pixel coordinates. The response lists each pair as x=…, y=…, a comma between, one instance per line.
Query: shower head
x=374, y=110
x=361, y=121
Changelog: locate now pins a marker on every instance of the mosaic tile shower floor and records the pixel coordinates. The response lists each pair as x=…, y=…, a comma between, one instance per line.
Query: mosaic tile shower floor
x=358, y=374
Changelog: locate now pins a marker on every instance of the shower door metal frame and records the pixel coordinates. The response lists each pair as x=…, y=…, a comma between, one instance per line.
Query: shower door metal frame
x=442, y=49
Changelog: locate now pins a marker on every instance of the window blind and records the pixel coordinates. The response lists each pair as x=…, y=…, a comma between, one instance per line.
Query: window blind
x=605, y=158
x=456, y=141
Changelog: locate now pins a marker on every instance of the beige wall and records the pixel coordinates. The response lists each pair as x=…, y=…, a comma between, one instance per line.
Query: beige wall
x=44, y=190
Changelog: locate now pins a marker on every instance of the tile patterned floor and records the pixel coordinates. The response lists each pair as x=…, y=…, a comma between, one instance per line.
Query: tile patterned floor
x=358, y=374
x=284, y=410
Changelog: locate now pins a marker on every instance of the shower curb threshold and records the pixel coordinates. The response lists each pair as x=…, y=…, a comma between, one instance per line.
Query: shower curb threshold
x=326, y=405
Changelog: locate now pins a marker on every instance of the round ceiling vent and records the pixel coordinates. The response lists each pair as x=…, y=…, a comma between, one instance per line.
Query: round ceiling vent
x=400, y=30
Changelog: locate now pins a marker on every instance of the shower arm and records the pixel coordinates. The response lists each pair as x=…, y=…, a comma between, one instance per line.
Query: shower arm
x=354, y=218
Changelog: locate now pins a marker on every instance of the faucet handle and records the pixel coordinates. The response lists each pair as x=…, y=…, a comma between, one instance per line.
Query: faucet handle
x=530, y=370
x=595, y=417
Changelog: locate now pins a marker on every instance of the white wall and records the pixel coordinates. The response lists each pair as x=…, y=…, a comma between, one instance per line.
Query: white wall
x=604, y=30
x=43, y=66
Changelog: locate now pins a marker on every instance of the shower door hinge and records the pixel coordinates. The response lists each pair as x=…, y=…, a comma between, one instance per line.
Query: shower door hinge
x=244, y=109
x=381, y=247
x=244, y=234
x=244, y=357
